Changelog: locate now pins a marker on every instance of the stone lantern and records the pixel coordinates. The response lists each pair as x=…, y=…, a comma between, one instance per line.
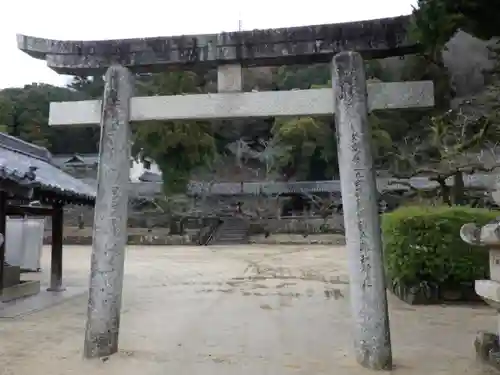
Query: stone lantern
x=487, y=343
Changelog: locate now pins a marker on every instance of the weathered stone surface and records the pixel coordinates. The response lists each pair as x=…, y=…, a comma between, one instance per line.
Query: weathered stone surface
x=372, y=339
x=333, y=224
x=11, y=276
x=484, y=343
x=489, y=290
x=487, y=348
x=433, y=295
x=20, y=290
x=298, y=239
x=229, y=78
x=110, y=222
x=313, y=102
x=295, y=45
x=488, y=235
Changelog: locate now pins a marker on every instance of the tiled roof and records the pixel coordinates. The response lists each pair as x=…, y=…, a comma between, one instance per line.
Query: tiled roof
x=86, y=159
x=148, y=176
x=30, y=165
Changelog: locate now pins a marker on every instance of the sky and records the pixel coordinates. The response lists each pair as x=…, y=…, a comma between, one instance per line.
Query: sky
x=112, y=19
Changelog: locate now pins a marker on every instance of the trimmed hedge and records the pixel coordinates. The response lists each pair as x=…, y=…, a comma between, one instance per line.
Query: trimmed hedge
x=422, y=246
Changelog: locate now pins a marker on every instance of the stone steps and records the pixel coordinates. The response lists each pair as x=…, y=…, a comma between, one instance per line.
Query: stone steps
x=231, y=231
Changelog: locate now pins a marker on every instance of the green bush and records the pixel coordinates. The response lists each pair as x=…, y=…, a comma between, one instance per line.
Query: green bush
x=422, y=245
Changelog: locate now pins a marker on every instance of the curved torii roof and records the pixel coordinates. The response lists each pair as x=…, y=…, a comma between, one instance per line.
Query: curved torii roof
x=284, y=46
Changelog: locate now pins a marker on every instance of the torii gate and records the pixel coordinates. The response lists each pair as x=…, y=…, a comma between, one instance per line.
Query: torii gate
x=349, y=100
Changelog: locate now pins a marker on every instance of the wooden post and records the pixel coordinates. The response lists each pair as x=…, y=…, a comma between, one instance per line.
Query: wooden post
x=372, y=340
x=56, y=260
x=3, y=226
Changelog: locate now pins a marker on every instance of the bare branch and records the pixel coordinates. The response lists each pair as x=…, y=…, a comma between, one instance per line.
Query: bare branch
x=403, y=183
x=417, y=172
x=477, y=138
x=474, y=168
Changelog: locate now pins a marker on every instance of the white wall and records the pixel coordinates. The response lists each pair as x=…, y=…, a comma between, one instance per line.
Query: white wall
x=138, y=169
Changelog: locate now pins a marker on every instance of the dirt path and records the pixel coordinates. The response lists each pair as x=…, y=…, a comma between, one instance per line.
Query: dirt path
x=192, y=310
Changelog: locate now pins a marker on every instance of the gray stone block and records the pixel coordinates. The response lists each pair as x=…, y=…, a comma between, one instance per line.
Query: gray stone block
x=11, y=276
x=487, y=349
x=20, y=290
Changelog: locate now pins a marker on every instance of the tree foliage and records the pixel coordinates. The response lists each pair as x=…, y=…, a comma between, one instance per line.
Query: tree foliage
x=422, y=248
x=437, y=20
x=24, y=113
x=177, y=146
x=309, y=141
x=448, y=149
x=293, y=148
x=445, y=145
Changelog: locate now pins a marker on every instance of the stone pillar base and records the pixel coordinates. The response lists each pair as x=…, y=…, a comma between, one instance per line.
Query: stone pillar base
x=488, y=349
x=56, y=289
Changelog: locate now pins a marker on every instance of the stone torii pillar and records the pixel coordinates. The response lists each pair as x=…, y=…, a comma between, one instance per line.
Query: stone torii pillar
x=372, y=339
x=109, y=235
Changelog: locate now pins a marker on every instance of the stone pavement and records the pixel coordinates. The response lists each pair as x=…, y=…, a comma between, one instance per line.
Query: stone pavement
x=195, y=310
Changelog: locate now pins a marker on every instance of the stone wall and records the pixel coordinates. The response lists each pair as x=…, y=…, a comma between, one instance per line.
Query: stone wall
x=298, y=239
x=136, y=219
x=331, y=225
x=265, y=231
x=133, y=239
x=153, y=218
x=167, y=235
x=191, y=240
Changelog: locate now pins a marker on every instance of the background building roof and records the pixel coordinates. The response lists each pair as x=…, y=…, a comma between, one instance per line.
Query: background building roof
x=31, y=166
